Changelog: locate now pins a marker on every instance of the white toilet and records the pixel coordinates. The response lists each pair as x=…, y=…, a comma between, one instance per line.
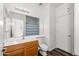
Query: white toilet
x=43, y=49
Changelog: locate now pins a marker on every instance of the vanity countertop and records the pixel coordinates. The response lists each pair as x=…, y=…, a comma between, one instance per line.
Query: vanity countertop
x=13, y=41
x=20, y=41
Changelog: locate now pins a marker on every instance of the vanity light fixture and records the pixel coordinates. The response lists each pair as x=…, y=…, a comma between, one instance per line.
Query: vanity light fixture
x=22, y=10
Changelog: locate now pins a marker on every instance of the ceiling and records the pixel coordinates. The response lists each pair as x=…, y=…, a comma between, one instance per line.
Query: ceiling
x=57, y=4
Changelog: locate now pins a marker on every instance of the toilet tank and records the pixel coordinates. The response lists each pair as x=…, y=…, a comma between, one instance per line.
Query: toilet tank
x=42, y=39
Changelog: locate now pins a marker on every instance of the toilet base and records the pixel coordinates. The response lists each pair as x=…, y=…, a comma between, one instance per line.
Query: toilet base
x=44, y=53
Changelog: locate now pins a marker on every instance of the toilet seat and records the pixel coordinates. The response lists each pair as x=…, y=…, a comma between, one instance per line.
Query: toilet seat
x=43, y=47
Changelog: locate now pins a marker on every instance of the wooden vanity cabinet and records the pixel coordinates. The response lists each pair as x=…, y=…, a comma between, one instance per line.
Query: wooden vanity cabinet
x=23, y=49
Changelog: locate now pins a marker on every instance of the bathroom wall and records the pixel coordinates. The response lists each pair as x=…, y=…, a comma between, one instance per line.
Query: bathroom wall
x=52, y=28
x=46, y=23
x=76, y=29
x=1, y=28
x=49, y=25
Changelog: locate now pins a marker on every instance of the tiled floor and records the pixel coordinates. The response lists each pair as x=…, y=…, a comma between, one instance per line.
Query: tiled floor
x=57, y=52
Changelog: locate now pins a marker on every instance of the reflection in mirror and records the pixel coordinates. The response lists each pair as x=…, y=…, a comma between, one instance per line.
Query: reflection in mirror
x=31, y=26
x=14, y=25
x=19, y=25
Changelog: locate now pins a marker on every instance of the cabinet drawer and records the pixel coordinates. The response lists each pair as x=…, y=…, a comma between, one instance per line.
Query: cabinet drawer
x=19, y=52
x=14, y=47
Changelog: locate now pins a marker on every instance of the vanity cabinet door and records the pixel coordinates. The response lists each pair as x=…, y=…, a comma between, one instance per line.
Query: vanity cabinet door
x=31, y=48
x=31, y=51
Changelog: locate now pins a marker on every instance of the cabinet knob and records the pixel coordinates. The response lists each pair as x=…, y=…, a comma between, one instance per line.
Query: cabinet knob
x=4, y=49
